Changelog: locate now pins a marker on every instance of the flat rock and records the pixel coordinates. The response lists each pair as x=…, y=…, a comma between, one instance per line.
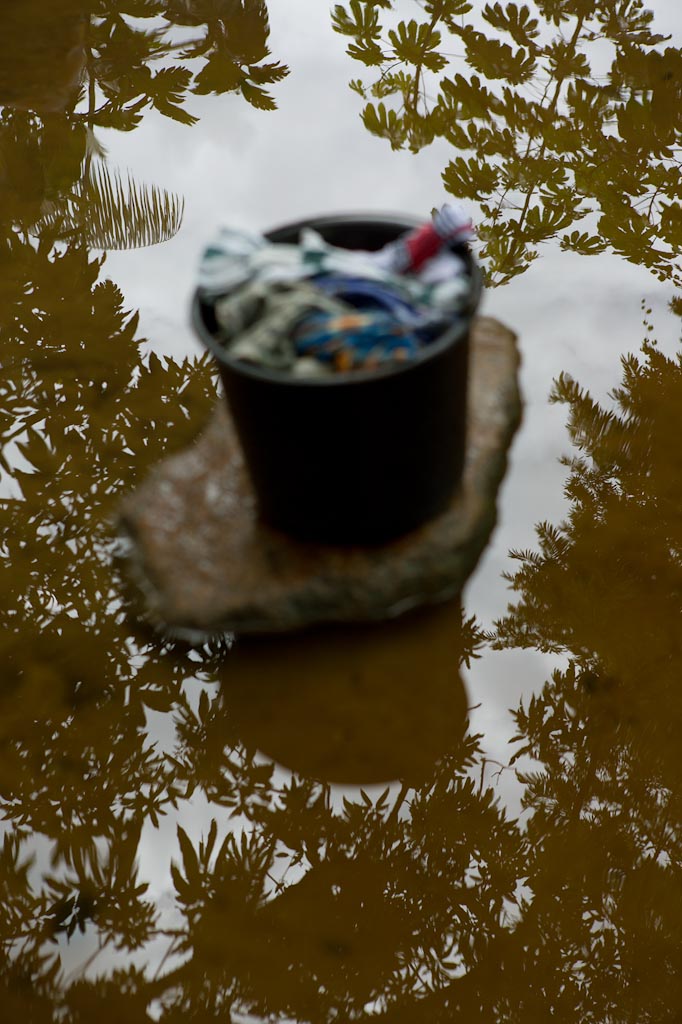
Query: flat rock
x=203, y=562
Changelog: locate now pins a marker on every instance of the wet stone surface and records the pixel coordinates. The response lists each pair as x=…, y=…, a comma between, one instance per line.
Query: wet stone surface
x=203, y=561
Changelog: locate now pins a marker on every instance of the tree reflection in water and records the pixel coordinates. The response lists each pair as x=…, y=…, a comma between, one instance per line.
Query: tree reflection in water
x=94, y=64
x=554, y=139
x=604, y=838
x=419, y=901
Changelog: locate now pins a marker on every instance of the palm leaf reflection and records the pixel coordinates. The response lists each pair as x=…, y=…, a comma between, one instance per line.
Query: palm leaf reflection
x=110, y=210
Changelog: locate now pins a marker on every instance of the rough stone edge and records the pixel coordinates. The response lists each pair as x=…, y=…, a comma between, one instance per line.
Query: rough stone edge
x=443, y=581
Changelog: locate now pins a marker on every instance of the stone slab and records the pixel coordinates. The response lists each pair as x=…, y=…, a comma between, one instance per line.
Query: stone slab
x=204, y=563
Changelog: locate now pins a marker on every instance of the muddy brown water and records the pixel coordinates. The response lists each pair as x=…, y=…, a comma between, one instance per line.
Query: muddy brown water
x=471, y=813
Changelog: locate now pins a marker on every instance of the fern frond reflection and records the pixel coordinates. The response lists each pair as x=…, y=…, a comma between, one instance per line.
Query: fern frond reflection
x=54, y=190
x=86, y=66
x=110, y=211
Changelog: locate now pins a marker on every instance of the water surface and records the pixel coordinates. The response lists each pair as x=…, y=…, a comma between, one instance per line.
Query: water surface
x=348, y=824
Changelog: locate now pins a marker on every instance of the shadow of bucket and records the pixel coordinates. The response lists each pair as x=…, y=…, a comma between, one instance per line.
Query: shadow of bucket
x=356, y=704
x=359, y=457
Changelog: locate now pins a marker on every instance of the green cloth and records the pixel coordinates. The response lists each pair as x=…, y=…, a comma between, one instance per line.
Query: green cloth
x=256, y=321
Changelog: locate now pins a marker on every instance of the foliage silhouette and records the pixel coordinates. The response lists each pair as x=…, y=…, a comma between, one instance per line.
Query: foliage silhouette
x=421, y=902
x=108, y=212
x=553, y=141
x=605, y=801
x=130, y=56
x=319, y=911
x=91, y=51
x=82, y=412
x=120, y=57
x=270, y=920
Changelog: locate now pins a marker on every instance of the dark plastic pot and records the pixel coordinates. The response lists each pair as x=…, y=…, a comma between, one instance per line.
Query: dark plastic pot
x=358, y=457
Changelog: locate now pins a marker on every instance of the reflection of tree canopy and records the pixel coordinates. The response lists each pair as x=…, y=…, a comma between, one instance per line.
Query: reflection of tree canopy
x=323, y=905
x=399, y=907
x=93, y=64
x=604, y=591
x=552, y=140
x=231, y=44
x=81, y=414
x=127, y=54
x=290, y=910
x=303, y=907
x=423, y=903
x=317, y=912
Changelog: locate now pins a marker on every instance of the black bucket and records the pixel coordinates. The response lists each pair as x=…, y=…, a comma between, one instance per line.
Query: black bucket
x=360, y=457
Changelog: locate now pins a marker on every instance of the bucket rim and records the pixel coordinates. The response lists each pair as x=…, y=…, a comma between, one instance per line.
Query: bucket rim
x=456, y=333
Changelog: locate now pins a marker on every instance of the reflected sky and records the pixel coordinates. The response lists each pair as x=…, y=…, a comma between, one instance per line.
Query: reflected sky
x=335, y=826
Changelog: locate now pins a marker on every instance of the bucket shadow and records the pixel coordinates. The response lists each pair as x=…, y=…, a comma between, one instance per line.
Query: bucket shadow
x=355, y=704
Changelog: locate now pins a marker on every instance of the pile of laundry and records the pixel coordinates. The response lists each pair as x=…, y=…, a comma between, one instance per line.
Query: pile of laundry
x=314, y=309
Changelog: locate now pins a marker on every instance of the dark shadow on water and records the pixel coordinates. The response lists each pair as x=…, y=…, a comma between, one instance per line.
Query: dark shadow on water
x=355, y=705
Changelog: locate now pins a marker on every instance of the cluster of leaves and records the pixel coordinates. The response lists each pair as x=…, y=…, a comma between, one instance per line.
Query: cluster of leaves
x=82, y=413
x=317, y=911
x=234, y=46
x=233, y=50
x=551, y=142
x=605, y=800
x=123, y=58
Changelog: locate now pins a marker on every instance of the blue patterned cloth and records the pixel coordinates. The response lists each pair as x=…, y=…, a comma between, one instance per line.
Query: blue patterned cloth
x=285, y=306
x=385, y=329
x=355, y=341
x=375, y=296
